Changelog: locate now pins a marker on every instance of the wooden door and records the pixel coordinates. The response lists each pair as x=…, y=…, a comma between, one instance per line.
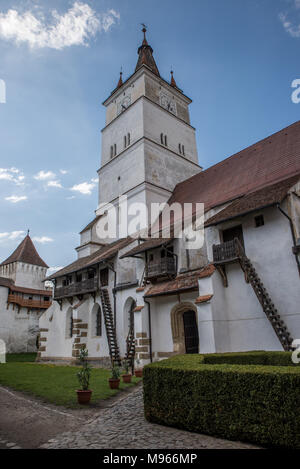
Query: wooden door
x=104, y=277
x=235, y=232
x=190, y=332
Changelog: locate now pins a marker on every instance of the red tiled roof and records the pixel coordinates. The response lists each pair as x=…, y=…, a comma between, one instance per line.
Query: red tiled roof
x=146, y=245
x=270, y=160
x=183, y=282
x=268, y=196
x=6, y=282
x=100, y=255
x=203, y=299
x=26, y=253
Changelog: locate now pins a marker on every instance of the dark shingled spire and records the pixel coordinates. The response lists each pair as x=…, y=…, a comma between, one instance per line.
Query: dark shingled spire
x=145, y=55
x=120, y=82
x=173, y=82
x=27, y=253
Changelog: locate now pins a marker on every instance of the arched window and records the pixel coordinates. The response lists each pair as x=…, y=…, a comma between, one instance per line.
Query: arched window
x=125, y=141
x=98, y=323
x=183, y=149
x=162, y=139
x=128, y=138
x=115, y=149
x=69, y=323
x=111, y=151
x=179, y=148
x=96, y=329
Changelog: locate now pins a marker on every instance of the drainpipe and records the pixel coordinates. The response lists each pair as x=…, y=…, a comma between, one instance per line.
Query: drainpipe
x=293, y=235
x=150, y=332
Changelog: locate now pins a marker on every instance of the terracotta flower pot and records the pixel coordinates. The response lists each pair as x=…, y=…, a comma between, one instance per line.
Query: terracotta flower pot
x=84, y=397
x=138, y=373
x=127, y=378
x=114, y=383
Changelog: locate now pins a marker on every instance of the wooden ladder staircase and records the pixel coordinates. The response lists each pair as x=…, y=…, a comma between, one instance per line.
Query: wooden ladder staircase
x=110, y=327
x=264, y=298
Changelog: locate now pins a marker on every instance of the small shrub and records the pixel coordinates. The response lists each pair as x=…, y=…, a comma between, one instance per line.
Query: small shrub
x=85, y=373
x=115, y=372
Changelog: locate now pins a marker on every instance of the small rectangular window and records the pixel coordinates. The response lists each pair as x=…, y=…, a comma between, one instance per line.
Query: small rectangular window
x=259, y=221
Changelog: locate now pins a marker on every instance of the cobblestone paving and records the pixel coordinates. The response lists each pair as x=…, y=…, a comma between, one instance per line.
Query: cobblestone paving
x=123, y=426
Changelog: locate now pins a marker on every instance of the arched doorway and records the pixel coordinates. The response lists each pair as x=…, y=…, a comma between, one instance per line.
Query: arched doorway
x=185, y=328
x=191, y=336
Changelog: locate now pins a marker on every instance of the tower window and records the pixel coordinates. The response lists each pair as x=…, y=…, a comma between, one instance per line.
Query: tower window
x=179, y=148
x=115, y=149
x=111, y=151
x=259, y=221
x=166, y=141
x=162, y=139
x=128, y=138
x=183, y=149
x=125, y=141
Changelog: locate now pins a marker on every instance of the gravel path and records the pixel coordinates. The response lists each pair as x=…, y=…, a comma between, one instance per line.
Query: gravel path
x=123, y=426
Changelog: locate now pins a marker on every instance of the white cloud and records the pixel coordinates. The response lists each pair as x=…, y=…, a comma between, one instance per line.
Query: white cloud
x=53, y=269
x=11, y=236
x=42, y=239
x=291, y=27
x=54, y=184
x=44, y=175
x=75, y=27
x=84, y=188
x=12, y=175
x=71, y=198
x=63, y=171
x=16, y=198
x=95, y=180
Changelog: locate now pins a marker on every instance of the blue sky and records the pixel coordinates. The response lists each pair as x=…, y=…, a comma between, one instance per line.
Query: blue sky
x=235, y=58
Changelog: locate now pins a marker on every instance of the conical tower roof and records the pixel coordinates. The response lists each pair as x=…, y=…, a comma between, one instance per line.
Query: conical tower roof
x=145, y=56
x=27, y=253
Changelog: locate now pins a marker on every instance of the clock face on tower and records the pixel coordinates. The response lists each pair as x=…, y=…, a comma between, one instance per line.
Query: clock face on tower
x=123, y=104
x=168, y=103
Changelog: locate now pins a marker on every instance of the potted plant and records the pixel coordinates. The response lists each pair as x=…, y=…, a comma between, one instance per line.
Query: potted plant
x=126, y=376
x=84, y=394
x=138, y=371
x=114, y=381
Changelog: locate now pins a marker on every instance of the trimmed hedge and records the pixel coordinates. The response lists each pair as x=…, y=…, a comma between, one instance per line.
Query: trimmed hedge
x=253, y=403
x=250, y=358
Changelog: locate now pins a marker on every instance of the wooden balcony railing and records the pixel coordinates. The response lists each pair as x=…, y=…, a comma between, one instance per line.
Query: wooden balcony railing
x=227, y=252
x=27, y=303
x=166, y=266
x=77, y=288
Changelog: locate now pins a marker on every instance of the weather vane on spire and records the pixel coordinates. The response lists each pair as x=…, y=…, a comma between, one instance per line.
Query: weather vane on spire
x=28, y=231
x=144, y=30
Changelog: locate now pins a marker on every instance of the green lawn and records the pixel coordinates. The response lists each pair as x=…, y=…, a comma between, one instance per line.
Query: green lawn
x=56, y=384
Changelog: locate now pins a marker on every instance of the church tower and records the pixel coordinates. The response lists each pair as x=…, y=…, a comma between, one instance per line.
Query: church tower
x=148, y=143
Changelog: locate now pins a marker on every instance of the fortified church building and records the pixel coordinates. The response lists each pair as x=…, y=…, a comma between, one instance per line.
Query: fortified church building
x=148, y=299
x=23, y=297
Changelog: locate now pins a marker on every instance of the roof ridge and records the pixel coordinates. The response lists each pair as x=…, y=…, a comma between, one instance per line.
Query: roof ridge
x=219, y=163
